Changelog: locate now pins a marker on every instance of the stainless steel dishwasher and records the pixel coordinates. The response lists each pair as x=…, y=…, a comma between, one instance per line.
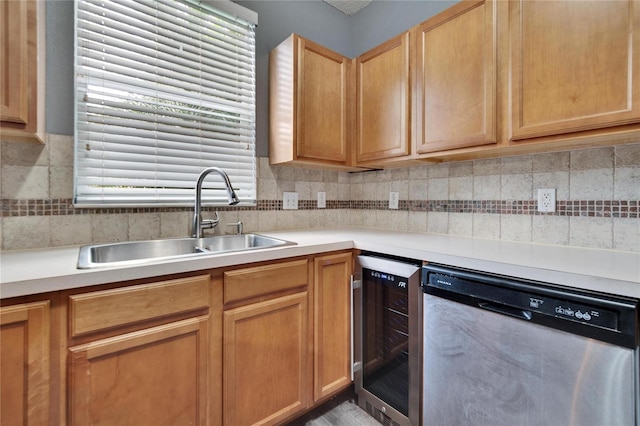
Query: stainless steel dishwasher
x=503, y=351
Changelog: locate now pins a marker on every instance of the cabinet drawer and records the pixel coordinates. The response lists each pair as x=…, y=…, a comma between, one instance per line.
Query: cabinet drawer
x=101, y=310
x=260, y=280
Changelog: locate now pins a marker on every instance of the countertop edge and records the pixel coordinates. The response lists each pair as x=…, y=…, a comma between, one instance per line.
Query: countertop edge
x=618, y=273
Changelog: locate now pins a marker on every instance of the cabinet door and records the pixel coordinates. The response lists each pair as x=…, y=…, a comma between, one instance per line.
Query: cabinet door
x=25, y=364
x=311, y=104
x=455, y=78
x=266, y=373
x=22, y=69
x=332, y=324
x=153, y=376
x=384, y=101
x=575, y=65
x=322, y=108
x=14, y=61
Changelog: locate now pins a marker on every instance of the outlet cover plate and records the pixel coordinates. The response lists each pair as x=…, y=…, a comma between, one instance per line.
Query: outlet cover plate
x=322, y=200
x=547, y=200
x=393, y=200
x=289, y=201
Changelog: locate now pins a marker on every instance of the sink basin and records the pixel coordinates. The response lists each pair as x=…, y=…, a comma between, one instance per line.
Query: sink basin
x=138, y=252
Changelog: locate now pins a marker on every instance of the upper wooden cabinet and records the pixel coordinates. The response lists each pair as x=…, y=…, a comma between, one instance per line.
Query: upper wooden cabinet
x=575, y=65
x=22, y=62
x=455, y=78
x=310, y=104
x=384, y=102
x=489, y=78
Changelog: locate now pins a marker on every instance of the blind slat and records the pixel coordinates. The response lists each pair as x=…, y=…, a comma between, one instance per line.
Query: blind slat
x=164, y=89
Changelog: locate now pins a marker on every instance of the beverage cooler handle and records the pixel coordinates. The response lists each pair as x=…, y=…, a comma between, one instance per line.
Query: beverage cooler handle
x=356, y=285
x=351, y=315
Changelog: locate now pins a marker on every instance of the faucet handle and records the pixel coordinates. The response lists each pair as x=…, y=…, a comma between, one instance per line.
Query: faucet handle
x=210, y=223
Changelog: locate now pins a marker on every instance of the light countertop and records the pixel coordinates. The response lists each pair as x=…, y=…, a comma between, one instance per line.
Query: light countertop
x=28, y=272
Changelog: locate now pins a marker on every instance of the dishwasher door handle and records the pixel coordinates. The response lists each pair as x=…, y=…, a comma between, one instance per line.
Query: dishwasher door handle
x=506, y=310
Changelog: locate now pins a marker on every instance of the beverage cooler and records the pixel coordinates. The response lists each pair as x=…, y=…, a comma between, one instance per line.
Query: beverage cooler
x=386, y=338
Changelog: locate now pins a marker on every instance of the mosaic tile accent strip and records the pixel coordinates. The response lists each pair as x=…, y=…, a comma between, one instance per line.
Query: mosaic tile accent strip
x=585, y=208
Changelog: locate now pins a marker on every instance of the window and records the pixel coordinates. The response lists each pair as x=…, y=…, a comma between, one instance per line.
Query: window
x=164, y=89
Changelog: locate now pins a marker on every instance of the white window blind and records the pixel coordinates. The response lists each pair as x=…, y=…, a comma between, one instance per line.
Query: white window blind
x=164, y=89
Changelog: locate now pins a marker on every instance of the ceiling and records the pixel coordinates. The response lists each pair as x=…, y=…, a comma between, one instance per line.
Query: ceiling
x=348, y=7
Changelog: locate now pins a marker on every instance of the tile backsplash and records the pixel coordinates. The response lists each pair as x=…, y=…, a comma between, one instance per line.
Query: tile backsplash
x=598, y=193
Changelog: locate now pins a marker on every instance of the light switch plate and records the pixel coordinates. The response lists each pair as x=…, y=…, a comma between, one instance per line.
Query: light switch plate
x=393, y=200
x=289, y=201
x=322, y=200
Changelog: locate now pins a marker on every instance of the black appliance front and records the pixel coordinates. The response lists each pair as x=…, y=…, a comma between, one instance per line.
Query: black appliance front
x=387, y=323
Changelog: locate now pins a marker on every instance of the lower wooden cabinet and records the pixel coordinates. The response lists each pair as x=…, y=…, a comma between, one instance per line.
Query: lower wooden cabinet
x=25, y=364
x=144, y=356
x=257, y=345
x=267, y=372
x=287, y=347
x=332, y=324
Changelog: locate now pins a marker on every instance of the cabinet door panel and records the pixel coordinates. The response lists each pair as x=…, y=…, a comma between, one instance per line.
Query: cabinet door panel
x=574, y=65
x=25, y=364
x=266, y=361
x=22, y=70
x=153, y=376
x=384, y=101
x=322, y=102
x=14, y=60
x=332, y=324
x=456, y=78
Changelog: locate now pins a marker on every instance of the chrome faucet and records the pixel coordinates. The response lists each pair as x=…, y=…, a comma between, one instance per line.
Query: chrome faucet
x=198, y=223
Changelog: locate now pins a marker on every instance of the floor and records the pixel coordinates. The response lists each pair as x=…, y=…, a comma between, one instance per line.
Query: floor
x=341, y=410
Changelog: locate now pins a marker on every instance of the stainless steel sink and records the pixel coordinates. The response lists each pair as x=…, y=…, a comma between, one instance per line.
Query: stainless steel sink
x=139, y=252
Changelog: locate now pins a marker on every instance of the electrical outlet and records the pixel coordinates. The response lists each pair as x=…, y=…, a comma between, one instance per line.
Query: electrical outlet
x=547, y=200
x=393, y=200
x=289, y=201
x=322, y=200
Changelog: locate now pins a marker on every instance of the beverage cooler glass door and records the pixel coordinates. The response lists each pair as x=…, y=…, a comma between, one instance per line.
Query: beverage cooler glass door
x=388, y=346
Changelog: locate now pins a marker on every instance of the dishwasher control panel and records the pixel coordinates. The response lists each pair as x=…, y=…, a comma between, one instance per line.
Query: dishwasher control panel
x=606, y=318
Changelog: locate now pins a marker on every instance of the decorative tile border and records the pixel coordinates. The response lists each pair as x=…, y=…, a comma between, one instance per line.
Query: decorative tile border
x=586, y=208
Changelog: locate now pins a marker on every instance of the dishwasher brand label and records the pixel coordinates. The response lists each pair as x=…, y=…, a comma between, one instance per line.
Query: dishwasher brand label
x=535, y=303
